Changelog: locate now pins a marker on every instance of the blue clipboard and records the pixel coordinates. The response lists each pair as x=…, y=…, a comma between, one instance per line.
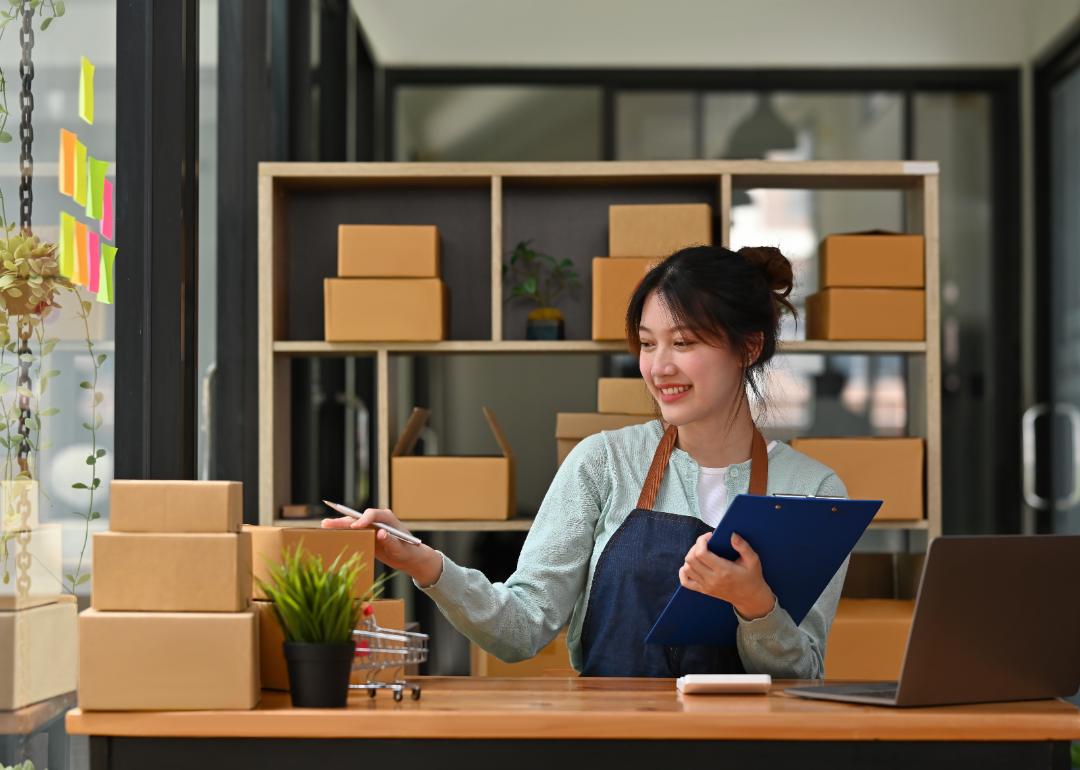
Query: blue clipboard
x=801, y=541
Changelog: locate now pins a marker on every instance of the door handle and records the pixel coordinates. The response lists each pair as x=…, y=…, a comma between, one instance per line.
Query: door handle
x=1031, y=414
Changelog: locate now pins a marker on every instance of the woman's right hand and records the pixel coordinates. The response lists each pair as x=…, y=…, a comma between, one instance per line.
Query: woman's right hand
x=420, y=562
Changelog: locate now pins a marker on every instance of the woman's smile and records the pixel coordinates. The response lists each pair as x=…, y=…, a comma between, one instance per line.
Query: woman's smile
x=669, y=393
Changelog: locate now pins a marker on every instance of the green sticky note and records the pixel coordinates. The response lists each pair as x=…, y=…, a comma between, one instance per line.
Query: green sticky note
x=80, y=173
x=67, y=244
x=95, y=200
x=86, y=92
x=105, y=287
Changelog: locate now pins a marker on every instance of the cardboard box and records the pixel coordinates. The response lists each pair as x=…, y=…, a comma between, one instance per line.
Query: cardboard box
x=888, y=469
x=613, y=283
x=38, y=653
x=388, y=251
x=168, y=661
x=172, y=572
x=624, y=395
x=176, y=506
x=867, y=639
x=572, y=427
x=554, y=656
x=451, y=488
x=866, y=314
x=390, y=613
x=267, y=543
x=658, y=230
x=876, y=259
x=45, y=570
x=386, y=309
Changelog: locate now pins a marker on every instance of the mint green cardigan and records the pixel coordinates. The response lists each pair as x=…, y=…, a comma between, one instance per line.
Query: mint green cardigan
x=592, y=494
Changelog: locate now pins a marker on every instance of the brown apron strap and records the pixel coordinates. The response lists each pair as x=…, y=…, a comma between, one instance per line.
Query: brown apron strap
x=651, y=488
x=759, y=467
x=759, y=464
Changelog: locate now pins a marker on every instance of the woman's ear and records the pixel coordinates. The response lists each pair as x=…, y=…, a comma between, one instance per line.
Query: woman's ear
x=754, y=343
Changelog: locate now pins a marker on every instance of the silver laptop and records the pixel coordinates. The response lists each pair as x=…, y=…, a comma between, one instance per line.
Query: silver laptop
x=997, y=618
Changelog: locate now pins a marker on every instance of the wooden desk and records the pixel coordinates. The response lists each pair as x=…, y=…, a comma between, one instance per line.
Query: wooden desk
x=545, y=723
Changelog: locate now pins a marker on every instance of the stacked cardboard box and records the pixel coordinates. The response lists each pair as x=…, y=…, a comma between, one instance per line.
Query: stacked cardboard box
x=388, y=286
x=451, y=488
x=268, y=545
x=38, y=626
x=172, y=626
x=621, y=401
x=638, y=237
x=554, y=657
x=870, y=288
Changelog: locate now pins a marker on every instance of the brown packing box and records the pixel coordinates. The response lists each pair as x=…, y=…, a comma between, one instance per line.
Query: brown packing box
x=888, y=469
x=168, y=661
x=176, y=506
x=876, y=259
x=867, y=639
x=269, y=542
x=613, y=283
x=390, y=613
x=388, y=251
x=554, y=656
x=386, y=309
x=658, y=230
x=572, y=427
x=38, y=653
x=624, y=395
x=172, y=572
x=451, y=488
x=866, y=314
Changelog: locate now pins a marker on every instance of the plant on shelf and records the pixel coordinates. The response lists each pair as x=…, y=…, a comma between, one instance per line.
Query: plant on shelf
x=317, y=609
x=541, y=278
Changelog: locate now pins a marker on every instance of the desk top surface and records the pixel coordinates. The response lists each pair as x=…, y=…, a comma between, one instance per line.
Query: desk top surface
x=469, y=707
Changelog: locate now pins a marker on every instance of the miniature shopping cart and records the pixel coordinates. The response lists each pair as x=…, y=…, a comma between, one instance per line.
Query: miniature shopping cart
x=382, y=649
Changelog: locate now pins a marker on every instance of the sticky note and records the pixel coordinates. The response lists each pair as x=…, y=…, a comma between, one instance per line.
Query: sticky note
x=93, y=261
x=67, y=244
x=80, y=173
x=107, y=220
x=96, y=193
x=108, y=256
x=67, y=162
x=79, y=273
x=86, y=92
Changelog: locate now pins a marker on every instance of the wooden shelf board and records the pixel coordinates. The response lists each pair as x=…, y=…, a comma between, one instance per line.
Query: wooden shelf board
x=509, y=525
x=918, y=524
x=321, y=348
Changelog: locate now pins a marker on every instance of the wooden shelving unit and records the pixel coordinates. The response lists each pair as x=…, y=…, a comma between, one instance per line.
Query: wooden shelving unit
x=488, y=201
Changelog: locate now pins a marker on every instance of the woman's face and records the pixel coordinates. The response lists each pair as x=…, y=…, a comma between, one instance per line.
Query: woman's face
x=690, y=379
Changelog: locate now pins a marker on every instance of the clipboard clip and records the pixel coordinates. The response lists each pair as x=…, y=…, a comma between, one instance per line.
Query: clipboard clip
x=811, y=497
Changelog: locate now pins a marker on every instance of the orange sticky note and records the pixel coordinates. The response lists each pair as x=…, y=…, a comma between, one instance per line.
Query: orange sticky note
x=80, y=274
x=67, y=162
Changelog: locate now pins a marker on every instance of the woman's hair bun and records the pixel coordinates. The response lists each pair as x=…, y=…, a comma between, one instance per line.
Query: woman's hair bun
x=775, y=269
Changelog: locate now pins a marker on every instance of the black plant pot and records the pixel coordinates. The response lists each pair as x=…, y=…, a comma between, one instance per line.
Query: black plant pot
x=319, y=673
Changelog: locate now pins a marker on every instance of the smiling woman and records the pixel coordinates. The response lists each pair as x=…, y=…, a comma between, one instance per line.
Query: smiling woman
x=617, y=535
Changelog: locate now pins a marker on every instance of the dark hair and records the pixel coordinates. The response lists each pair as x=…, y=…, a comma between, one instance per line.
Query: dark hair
x=723, y=298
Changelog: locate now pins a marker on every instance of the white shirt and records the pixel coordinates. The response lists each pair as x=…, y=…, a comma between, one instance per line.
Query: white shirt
x=712, y=492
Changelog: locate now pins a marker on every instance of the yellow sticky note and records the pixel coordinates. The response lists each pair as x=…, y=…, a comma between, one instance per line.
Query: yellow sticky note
x=67, y=162
x=105, y=291
x=79, y=273
x=86, y=92
x=80, y=173
x=95, y=201
x=67, y=244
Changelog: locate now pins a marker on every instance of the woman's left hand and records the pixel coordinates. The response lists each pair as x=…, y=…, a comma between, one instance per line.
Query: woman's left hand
x=739, y=582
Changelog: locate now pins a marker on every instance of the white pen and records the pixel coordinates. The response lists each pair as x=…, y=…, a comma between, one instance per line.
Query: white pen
x=405, y=536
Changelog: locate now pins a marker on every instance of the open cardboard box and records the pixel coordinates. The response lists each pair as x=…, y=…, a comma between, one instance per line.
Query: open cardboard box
x=451, y=488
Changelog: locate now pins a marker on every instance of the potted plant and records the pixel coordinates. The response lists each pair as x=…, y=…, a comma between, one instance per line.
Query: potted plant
x=315, y=606
x=542, y=279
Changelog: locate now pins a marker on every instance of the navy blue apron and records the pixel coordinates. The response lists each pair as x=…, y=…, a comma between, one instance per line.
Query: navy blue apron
x=636, y=576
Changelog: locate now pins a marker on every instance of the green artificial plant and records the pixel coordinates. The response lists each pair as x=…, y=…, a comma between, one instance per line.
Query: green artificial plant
x=541, y=277
x=313, y=603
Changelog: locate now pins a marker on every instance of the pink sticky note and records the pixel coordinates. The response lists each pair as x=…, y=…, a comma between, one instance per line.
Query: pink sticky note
x=105, y=226
x=94, y=262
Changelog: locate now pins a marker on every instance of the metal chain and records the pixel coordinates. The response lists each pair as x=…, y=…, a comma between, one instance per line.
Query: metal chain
x=26, y=130
x=22, y=401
